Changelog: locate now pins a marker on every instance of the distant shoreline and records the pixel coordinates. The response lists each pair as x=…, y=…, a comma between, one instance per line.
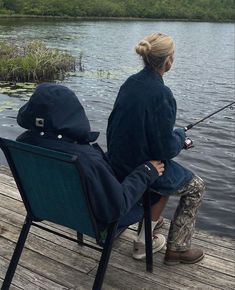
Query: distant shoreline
x=94, y=18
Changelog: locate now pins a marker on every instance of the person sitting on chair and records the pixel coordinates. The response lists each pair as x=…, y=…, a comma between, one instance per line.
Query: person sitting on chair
x=141, y=127
x=55, y=119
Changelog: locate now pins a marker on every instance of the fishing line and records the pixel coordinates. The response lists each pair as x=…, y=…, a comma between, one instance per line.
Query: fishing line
x=190, y=126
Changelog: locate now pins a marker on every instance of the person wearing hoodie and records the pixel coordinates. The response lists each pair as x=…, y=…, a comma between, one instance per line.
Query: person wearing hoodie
x=55, y=119
x=140, y=128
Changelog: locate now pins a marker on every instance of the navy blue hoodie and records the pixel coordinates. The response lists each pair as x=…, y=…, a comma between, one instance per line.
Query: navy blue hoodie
x=55, y=119
x=141, y=128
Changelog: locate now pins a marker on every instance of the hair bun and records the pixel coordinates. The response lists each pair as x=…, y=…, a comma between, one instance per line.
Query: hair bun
x=143, y=47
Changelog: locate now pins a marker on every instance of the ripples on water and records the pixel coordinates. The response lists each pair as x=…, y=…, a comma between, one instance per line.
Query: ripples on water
x=202, y=80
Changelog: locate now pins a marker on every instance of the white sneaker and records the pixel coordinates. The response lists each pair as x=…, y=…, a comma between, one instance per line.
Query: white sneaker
x=158, y=243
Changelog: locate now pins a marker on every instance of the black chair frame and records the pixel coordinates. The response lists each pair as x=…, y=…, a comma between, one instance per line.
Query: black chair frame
x=105, y=248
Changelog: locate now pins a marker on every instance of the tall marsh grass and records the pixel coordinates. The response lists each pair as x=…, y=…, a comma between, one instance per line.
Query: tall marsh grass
x=33, y=62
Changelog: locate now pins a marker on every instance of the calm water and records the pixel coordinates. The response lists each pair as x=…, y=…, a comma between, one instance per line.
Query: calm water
x=202, y=80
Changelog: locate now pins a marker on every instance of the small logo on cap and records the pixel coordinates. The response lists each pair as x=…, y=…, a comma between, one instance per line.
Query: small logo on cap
x=39, y=122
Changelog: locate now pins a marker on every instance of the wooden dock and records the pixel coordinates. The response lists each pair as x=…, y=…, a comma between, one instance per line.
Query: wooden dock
x=53, y=263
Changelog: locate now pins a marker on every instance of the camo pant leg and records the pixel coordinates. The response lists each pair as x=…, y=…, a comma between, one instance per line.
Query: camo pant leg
x=183, y=224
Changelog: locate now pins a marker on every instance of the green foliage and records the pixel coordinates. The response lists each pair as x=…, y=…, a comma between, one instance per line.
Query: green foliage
x=168, y=9
x=33, y=62
x=15, y=5
x=104, y=8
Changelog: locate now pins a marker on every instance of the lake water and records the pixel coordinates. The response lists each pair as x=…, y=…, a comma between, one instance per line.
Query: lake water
x=202, y=80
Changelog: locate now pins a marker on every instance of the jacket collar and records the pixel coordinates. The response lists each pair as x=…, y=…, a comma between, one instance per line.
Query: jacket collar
x=153, y=74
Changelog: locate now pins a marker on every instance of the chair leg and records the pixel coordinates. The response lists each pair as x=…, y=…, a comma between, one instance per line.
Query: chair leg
x=16, y=255
x=80, y=238
x=148, y=232
x=105, y=257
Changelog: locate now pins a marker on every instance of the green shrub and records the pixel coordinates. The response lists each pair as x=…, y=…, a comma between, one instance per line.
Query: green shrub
x=33, y=62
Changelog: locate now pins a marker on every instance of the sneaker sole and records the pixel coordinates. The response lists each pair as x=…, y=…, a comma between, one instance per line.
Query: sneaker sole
x=141, y=257
x=172, y=263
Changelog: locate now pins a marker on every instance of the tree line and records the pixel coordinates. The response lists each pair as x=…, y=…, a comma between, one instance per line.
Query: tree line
x=215, y=10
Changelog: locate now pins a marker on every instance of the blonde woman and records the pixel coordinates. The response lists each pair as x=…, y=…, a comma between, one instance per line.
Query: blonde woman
x=141, y=127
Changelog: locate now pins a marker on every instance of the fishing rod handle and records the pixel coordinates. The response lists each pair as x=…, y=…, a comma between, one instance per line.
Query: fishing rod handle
x=190, y=126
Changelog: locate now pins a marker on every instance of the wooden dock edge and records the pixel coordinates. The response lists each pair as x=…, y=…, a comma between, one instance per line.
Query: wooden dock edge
x=52, y=263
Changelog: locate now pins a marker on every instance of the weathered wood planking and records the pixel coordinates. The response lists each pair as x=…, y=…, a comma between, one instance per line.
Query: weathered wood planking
x=53, y=263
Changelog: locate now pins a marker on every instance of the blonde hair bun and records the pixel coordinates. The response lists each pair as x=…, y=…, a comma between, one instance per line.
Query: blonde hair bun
x=154, y=49
x=143, y=48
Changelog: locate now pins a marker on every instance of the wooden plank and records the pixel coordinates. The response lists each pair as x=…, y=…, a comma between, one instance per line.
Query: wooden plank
x=205, y=270
x=224, y=253
x=202, y=272
x=5, y=170
x=176, y=277
x=11, y=218
x=117, y=259
x=9, y=190
x=215, y=250
x=13, y=287
x=52, y=270
x=218, y=240
x=114, y=273
x=6, y=177
x=216, y=271
x=119, y=279
x=50, y=249
x=17, y=206
x=7, y=180
x=12, y=205
x=87, y=253
x=27, y=280
x=223, y=241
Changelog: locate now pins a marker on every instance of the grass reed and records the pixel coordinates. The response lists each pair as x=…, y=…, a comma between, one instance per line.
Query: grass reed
x=33, y=62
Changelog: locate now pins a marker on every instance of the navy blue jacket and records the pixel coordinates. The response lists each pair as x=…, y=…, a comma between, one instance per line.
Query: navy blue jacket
x=141, y=128
x=56, y=120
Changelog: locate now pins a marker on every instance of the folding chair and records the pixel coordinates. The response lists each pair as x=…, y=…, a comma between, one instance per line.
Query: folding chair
x=53, y=188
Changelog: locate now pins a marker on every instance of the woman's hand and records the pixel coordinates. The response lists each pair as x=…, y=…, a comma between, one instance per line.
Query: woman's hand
x=159, y=166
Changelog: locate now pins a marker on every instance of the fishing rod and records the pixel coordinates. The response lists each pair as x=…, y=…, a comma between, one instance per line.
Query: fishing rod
x=190, y=126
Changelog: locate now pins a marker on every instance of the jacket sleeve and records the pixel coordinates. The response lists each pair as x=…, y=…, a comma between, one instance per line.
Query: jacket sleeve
x=135, y=184
x=164, y=141
x=112, y=199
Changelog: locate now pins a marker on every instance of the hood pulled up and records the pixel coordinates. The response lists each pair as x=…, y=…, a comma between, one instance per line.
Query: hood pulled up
x=56, y=109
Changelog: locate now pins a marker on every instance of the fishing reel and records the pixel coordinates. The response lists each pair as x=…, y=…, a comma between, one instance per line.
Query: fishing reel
x=188, y=143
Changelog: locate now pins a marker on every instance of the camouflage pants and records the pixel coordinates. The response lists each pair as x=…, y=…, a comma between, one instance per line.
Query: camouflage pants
x=183, y=224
